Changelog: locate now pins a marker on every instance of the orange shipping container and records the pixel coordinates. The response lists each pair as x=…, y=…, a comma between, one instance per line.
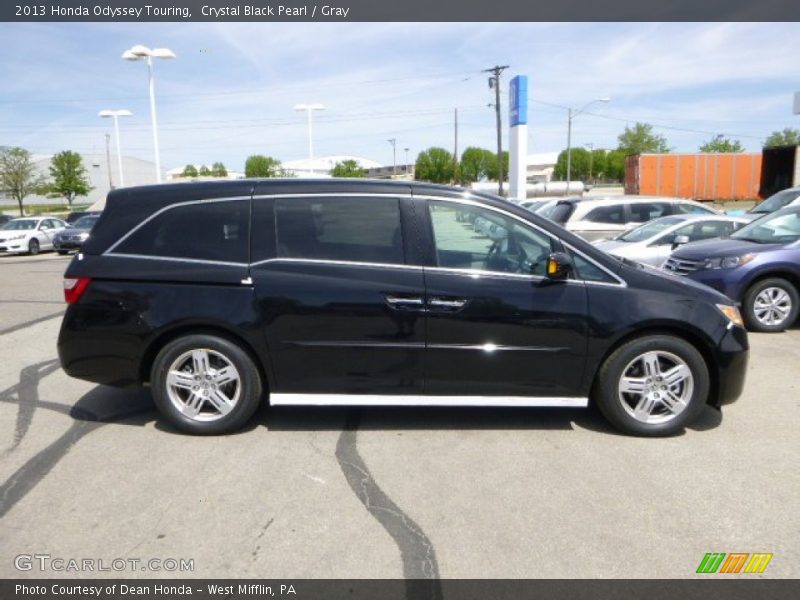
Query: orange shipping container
x=698, y=176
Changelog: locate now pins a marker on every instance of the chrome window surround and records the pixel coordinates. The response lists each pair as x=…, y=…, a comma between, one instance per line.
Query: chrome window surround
x=476, y=273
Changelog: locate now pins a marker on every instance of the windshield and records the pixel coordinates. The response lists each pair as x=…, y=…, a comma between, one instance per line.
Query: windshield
x=19, y=225
x=776, y=229
x=558, y=212
x=648, y=230
x=85, y=222
x=776, y=201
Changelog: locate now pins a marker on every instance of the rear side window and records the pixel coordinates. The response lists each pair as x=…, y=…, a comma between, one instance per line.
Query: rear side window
x=607, y=214
x=340, y=229
x=559, y=212
x=642, y=212
x=214, y=231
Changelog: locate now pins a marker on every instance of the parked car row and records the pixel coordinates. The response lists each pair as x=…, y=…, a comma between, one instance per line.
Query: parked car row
x=31, y=235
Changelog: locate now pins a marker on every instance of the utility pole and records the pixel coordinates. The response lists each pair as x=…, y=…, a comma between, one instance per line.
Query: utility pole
x=494, y=82
x=408, y=165
x=455, y=146
x=393, y=142
x=108, y=161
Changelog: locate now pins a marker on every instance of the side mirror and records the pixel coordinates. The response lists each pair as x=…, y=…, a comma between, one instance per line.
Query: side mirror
x=559, y=266
x=680, y=240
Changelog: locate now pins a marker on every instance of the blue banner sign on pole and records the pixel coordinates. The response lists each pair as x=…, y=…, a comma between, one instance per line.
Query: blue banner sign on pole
x=518, y=101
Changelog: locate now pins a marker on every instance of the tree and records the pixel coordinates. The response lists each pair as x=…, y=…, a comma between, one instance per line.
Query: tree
x=70, y=178
x=259, y=165
x=204, y=171
x=493, y=172
x=615, y=165
x=189, y=171
x=348, y=168
x=720, y=144
x=598, y=165
x=434, y=165
x=219, y=170
x=579, y=170
x=476, y=163
x=18, y=175
x=640, y=139
x=787, y=137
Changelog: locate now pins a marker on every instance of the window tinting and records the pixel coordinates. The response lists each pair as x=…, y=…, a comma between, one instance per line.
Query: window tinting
x=205, y=231
x=607, y=214
x=345, y=229
x=641, y=212
x=469, y=237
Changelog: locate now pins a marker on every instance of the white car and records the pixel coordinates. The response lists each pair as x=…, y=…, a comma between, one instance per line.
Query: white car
x=29, y=234
x=604, y=217
x=652, y=243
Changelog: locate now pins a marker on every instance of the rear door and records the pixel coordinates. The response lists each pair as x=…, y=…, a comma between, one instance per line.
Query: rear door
x=496, y=326
x=341, y=300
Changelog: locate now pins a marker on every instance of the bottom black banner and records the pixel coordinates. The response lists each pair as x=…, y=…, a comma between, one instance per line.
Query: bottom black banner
x=400, y=589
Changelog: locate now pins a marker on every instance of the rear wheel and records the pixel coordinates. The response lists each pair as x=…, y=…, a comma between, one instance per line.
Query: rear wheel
x=33, y=247
x=770, y=305
x=204, y=384
x=652, y=386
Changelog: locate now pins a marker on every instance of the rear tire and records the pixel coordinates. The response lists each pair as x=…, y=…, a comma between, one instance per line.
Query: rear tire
x=33, y=247
x=205, y=384
x=770, y=305
x=652, y=386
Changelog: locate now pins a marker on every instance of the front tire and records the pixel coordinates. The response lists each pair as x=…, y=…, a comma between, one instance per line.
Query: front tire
x=33, y=247
x=205, y=384
x=771, y=305
x=652, y=386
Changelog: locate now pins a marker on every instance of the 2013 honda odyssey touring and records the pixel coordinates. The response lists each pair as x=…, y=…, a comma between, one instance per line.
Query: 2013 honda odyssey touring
x=222, y=295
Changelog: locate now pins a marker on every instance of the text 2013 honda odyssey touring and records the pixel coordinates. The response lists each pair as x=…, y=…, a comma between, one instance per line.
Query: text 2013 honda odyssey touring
x=223, y=295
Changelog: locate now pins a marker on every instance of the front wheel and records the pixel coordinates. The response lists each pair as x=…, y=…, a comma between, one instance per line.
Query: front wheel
x=770, y=305
x=204, y=384
x=652, y=386
x=33, y=247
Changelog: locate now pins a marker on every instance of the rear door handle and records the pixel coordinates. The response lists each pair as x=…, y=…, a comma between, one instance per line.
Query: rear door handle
x=448, y=303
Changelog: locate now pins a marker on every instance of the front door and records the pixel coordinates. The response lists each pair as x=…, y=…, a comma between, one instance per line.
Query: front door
x=343, y=311
x=497, y=326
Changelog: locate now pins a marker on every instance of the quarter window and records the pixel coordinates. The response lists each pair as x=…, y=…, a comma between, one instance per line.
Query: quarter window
x=340, y=229
x=469, y=237
x=214, y=231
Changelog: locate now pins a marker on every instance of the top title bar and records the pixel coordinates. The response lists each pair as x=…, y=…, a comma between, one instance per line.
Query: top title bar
x=405, y=10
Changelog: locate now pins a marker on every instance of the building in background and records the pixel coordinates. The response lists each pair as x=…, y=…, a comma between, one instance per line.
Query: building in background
x=541, y=167
x=321, y=167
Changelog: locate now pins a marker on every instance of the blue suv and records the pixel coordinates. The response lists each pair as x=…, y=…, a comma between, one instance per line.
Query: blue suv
x=758, y=266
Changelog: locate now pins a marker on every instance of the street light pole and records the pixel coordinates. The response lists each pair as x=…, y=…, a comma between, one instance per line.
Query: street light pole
x=571, y=114
x=407, y=164
x=393, y=142
x=310, y=108
x=140, y=52
x=115, y=115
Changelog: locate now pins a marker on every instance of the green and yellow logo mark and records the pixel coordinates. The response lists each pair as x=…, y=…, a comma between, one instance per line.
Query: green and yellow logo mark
x=734, y=562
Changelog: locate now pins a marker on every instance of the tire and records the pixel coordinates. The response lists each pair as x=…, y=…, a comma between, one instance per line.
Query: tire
x=219, y=403
x=627, y=368
x=62, y=252
x=33, y=247
x=770, y=305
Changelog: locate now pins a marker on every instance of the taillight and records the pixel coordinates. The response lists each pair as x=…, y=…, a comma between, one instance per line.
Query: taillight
x=74, y=288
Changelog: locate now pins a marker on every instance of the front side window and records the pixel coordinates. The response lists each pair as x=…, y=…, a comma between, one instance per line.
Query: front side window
x=776, y=201
x=778, y=229
x=212, y=231
x=648, y=230
x=692, y=209
x=475, y=238
x=340, y=229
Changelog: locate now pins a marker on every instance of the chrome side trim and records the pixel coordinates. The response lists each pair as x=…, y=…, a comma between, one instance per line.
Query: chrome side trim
x=278, y=399
x=357, y=344
x=176, y=259
x=323, y=261
x=170, y=207
x=489, y=348
x=407, y=194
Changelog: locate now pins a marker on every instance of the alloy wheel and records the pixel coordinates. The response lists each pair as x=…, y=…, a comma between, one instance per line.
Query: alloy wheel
x=203, y=384
x=772, y=306
x=656, y=387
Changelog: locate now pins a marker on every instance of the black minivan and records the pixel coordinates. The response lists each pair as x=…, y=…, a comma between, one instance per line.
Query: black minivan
x=219, y=295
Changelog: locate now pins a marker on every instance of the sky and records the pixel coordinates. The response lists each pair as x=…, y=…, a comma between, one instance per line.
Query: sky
x=231, y=90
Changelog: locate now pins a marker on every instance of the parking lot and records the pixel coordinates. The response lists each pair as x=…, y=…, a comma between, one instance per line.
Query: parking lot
x=92, y=472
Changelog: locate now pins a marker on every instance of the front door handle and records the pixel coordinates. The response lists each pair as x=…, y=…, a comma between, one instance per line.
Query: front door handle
x=405, y=302
x=448, y=303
